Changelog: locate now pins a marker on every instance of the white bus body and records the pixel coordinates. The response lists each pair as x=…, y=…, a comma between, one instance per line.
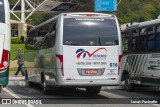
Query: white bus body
x=78, y=49
x=4, y=41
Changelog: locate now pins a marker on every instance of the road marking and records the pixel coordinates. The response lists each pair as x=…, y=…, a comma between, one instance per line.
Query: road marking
x=16, y=96
x=111, y=95
x=156, y=105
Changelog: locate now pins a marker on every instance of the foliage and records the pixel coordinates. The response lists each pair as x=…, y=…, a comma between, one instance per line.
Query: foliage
x=13, y=69
x=15, y=40
x=28, y=46
x=138, y=10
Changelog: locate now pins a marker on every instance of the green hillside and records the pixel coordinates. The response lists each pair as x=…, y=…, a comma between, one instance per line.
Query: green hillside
x=138, y=10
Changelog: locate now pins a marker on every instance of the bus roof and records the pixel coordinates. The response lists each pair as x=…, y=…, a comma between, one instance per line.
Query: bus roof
x=143, y=24
x=42, y=24
x=70, y=14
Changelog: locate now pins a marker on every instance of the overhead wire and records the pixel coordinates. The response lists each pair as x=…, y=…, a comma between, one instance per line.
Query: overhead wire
x=119, y=2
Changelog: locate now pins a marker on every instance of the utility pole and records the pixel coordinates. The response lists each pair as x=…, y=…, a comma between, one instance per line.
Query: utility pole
x=22, y=11
x=22, y=27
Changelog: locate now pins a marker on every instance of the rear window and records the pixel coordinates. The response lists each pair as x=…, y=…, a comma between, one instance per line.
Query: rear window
x=90, y=31
x=2, y=12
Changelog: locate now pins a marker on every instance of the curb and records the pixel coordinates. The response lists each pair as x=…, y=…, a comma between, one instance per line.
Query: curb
x=20, y=81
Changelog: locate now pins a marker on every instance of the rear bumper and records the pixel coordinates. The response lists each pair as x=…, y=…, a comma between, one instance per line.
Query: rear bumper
x=84, y=82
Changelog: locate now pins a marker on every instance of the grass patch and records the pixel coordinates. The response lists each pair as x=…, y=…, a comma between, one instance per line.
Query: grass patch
x=13, y=69
x=28, y=53
x=14, y=48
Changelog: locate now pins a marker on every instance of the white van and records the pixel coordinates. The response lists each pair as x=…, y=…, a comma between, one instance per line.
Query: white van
x=75, y=50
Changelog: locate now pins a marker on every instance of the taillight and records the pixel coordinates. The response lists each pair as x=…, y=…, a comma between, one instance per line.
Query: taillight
x=113, y=78
x=65, y=14
x=60, y=57
x=5, y=60
x=119, y=63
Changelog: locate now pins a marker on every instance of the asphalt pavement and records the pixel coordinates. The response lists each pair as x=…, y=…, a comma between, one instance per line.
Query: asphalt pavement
x=108, y=97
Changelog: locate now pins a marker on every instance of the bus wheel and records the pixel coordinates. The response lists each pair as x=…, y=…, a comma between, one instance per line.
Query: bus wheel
x=129, y=86
x=44, y=86
x=93, y=90
x=26, y=75
x=28, y=83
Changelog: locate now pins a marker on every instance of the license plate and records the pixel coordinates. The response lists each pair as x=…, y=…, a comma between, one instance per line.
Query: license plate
x=91, y=71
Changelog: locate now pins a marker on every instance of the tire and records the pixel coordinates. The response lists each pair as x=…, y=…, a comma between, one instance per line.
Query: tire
x=93, y=90
x=28, y=83
x=26, y=75
x=46, y=91
x=45, y=88
x=129, y=86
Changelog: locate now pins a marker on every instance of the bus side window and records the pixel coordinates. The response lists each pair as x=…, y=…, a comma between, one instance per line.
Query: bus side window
x=150, y=42
x=135, y=34
x=30, y=37
x=40, y=36
x=125, y=42
x=158, y=39
x=51, y=37
x=142, y=40
x=151, y=39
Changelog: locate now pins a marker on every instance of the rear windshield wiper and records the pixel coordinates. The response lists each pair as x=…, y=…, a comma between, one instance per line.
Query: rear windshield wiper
x=99, y=40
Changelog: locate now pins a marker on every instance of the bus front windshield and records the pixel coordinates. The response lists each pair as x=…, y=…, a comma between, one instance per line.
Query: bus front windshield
x=90, y=31
x=2, y=12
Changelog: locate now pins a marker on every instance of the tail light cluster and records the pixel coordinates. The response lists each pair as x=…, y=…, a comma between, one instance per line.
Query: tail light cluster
x=4, y=64
x=60, y=57
x=119, y=61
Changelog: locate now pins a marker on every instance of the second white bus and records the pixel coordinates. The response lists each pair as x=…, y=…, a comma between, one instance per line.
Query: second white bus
x=75, y=50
